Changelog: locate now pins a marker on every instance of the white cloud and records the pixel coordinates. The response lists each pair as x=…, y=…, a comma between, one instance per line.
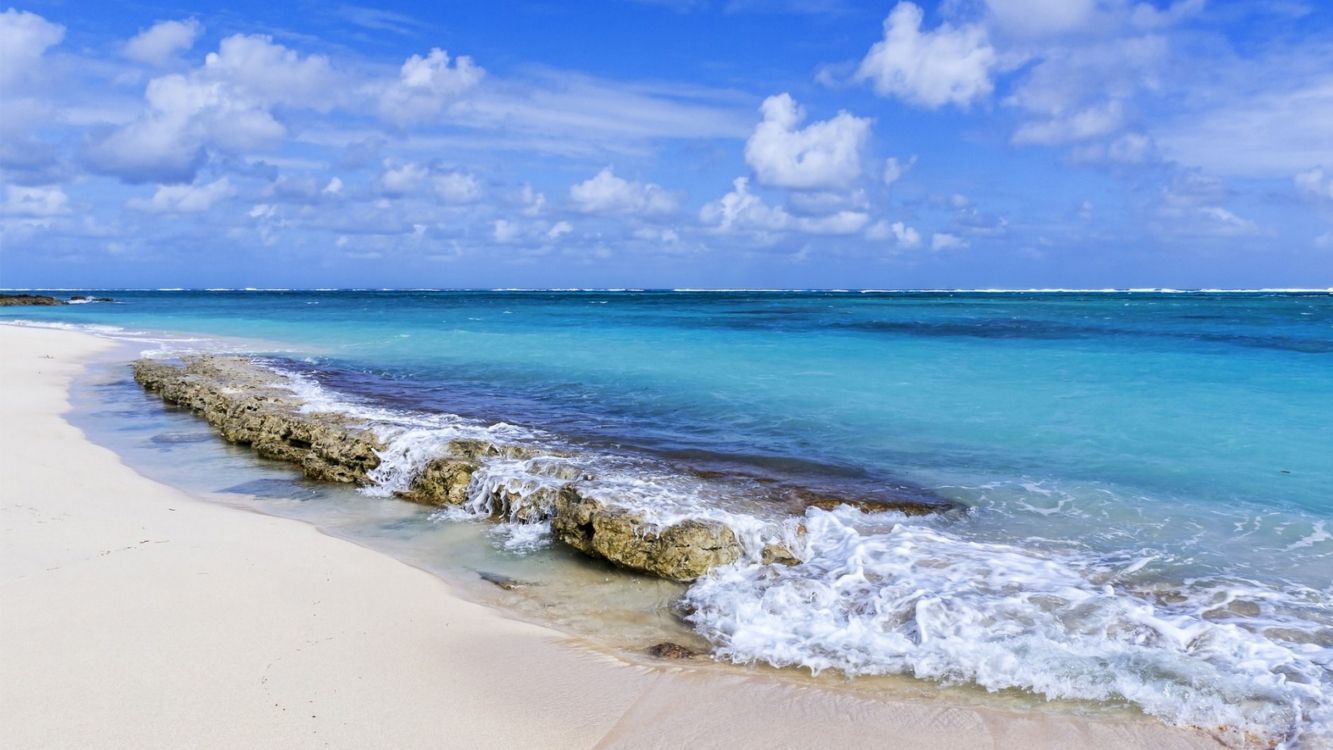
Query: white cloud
x=842, y=222
x=1271, y=128
x=223, y=106
x=426, y=85
x=270, y=74
x=24, y=38
x=159, y=44
x=657, y=234
x=180, y=199
x=456, y=187
x=400, y=179
x=558, y=230
x=929, y=68
x=1092, y=122
x=605, y=193
x=823, y=202
x=1146, y=15
x=894, y=169
x=1034, y=18
x=946, y=241
x=821, y=155
x=504, y=231
x=1130, y=148
x=334, y=186
x=1190, y=207
x=902, y=235
x=743, y=211
x=1315, y=183
x=534, y=203
x=1226, y=223
x=1084, y=90
x=34, y=201
x=183, y=119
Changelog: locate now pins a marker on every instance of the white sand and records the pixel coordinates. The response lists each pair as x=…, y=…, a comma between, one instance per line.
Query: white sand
x=132, y=615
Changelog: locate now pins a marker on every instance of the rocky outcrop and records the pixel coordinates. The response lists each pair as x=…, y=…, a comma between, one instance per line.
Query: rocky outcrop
x=248, y=405
x=681, y=551
x=11, y=300
x=252, y=405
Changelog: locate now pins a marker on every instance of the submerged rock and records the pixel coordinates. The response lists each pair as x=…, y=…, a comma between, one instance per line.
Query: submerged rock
x=681, y=551
x=10, y=300
x=904, y=506
x=501, y=581
x=669, y=650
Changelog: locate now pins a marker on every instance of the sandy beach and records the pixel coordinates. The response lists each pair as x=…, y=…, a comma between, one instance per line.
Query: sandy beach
x=132, y=615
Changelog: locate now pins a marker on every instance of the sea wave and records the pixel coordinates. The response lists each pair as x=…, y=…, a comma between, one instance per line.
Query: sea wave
x=893, y=596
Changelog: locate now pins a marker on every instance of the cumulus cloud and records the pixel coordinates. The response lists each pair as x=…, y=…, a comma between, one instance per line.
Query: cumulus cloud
x=401, y=179
x=24, y=38
x=895, y=169
x=255, y=67
x=307, y=189
x=456, y=187
x=184, y=117
x=426, y=85
x=821, y=155
x=558, y=230
x=182, y=199
x=225, y=105
x=41, y=201
x=742, y=211
x=159, y=44
x=605, y=193
x=901, y=234
x=533, y=202
x=929, y=68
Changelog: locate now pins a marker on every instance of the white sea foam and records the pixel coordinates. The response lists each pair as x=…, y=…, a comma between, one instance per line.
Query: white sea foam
x=918, y=600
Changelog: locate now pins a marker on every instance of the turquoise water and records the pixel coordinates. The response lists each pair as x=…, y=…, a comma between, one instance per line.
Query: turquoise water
x=1147, y=474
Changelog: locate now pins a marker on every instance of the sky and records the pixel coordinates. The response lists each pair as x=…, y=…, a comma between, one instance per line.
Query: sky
x=668, y=143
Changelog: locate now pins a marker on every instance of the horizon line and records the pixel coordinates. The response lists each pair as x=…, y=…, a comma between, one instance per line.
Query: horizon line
x=633, y=290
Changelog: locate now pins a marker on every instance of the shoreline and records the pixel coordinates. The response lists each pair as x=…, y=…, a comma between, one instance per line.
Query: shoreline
x=135, y=614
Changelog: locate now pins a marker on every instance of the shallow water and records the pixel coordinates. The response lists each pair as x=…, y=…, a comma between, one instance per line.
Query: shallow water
x=1146, y=474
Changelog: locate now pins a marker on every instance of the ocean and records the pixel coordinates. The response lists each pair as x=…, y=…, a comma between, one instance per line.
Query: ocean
x=1144, y=477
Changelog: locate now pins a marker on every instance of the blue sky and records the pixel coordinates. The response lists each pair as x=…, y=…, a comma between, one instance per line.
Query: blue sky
x=701, y=143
